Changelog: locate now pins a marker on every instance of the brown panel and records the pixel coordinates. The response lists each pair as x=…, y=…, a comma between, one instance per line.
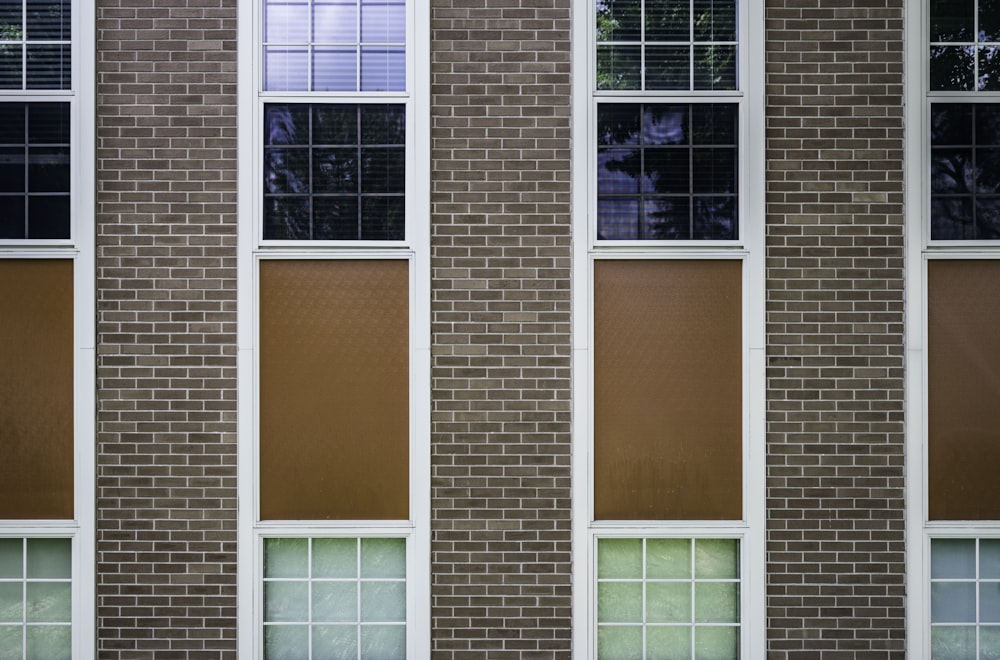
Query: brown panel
x=668, y=402
x=963, y=354
x=334, y=390
x=36, y=389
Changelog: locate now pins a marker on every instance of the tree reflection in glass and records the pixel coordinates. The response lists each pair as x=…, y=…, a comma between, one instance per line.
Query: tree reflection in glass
x=964, y=53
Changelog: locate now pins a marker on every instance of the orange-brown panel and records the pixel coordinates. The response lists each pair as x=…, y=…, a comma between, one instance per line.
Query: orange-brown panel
x=334, y=390
x=36, y=389
x=668, y=405
x=963, y=414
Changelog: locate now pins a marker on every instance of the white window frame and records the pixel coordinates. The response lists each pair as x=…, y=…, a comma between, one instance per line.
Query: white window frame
x=414, y=249
x=920, y=250
x=748, y=248
x=78, y=248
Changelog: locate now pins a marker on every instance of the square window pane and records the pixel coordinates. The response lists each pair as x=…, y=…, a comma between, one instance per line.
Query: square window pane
x=619, y=642
x=953, y=602
x=336, y=125
x=11, y=66
x=383, y=170
x=619, y=67
x=383, y=642
x=619, y=602
x=989, y=20
x=383, y=125
x=286, y=642
x=668, y=558
x=668, y=67
x=48, y=216
x=383, y=21
x=714, y=170
x=668, y=602
x=335, y=558
x=668, y=643
x=50, y=558
x=286, y=601
x=714, y=123
x=287, y=218
x=286, y=124
x=286, y=22
x=616, y=171
x=714, y=218
x=715, y=20
x=618, y=219
x=951, y=218
x=11, y=602
x=620, y=20
x=48, y=169
x=383, y=218
x=953, y=558
x=987, y=218
x=11, y=640
x=716, y=559
x=48, y=643
x=989, y=642
x=383, y=602
x=335, y=69
x=336, y=219
x=716, y=642
x=989, y=602
x=48, y=20
x=951, y=68
x=286, y=69
x=715, y=67
x=618, y=124
x=383, y=558
x=383, y=69
x=716, y=602
x=953, y=642
x=49, y=66
x=49, y=602
x=619, y=558
x=286, y=558
x=952, y=124
x=335, y=170
x=12, y=221
x=667, y=20
x=667, y=219
x=335, y=601
x=667, y=170
x=48, y=123
x=335, y=642
x=666, y=124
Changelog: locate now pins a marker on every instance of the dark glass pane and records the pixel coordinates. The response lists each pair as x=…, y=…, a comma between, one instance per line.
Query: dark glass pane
x=11, y=74
x=715, y=67
x=617, y=219
x=668, y=67
x=336, y=219
x=335, y=170
x=10, y=20
x=335, y=125
x=48, y=123
x=667, y=218
x=714, y=218
x=383, y=69
x=618, y=67
x=383, y=170
x=951, y=68
x=335, y=69
x=286, y=170
x=714, y=171
x=383, y=124
x=714, y=123
x=665, y=124
x=382, y=219
x=667, y=20
x=951, y=218
x=987, y=218
x=286, y=124
x=951, y=170
x=952, y=20
x=12, y=219
x=48, y=216
x=989, y=20
x=989, y=69
x=48, y=169
x=618, y=124
x=619, y=20
x=715, y=20
x=988, y=170
x=12, y=170
x=669, y=169
x=286, y=218
x=951, y=124
x=987, y=123
x=48, y=20
x=12, y=123
x=617, y=171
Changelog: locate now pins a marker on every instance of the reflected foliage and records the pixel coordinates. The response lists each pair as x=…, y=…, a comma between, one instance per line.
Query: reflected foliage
x=25, y=63
x=962, y=58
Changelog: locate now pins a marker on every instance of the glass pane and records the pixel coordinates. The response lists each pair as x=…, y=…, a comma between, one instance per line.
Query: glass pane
x=336, y=219
x=286, y=69
x=335, y=69
x=951, y=219
x=11, y=558
x=989, y=559
x=667, y=219
x=952, y=20
x=286, y=642
x=48, y=169
x=987, y=123
x=12, y=222
x=383, y=601
x=48, y=602
x=618, y=219
x=715, y=67
x=335, y=22
x=335, y=558
x=714, y=218
x=286, y=170
x=667, y=20
x=618, y=124
x=10, y=641
x=714, y=170
x=383, y=170
x=668, y=558
x=716, y=602
x=286, y=601
x=668, y=643
x=952, y=123
x=11, y=66
x=11, y=602
x=667, y=124
x=286, y=219
x=951, y=68
x=619, y=602
x=383, y=642
x=48, y=20
x=618, y=67
x=335, y=601
x=49, y=217
x=668, y=67
x=952, y=170
x=715, y=20
x=989, y=20
x=383, y=125
x=336, y=124
x=989, y=69
x=383, y=558
x=716, y=559
x=383, y=21
x=716, y=642
x=953, y=558
x=619, y=20
x=989, y=643
x=668, y=602
x=989, y=602
x=48, y=66
x=616, y=171
x=335, y=170
x=953, y=642
x=286, y=124
x=619, y=642
x=667, y=170
x=383, y=219
x=335, y=642
x=48, y=123
x=286, y=22
x=714, y=123
x=619, y=558
x=953, y=602
x=383, y=69
x=50, y=558
x=48, y=642
x=988, y=170
x=285, y=558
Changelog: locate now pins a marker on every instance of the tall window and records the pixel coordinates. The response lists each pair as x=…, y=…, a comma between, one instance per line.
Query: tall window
x=674, y=269
x=339, y=289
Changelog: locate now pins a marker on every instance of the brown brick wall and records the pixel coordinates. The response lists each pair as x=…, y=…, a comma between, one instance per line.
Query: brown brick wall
x=501, y=323
x=166, y=289
x=835, y=328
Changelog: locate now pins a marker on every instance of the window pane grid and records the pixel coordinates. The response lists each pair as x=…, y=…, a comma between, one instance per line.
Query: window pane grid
x=35, y=45
x=965, y=597
x=35, y=598
x=964, y=42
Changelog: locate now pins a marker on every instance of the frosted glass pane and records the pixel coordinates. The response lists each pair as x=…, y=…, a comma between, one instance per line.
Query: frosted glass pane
x=11, y=559
x=716, y=643
x=50, y=558
x=668, y=558
x=953, y=558
x=619, y=642
x=953, y=602
x=335, y=558
x=335, y=22
x=716, y=558
x=989, y=602
x=953, y=642
x=286, y=642
x=383, y=642
x=668, y=643
x=383, y=558
x=716, y=602
x=286, y=558
x=989, y=643
x=335, y=601
x=989, y=559
x=383, y=70
x=619, y=558
x=11, y=600
x=48, y=643
x=383, y=22
x=619, y=602
x=10, y=641
x=286, y=69
x=335, y=642
x=49, y=602
x=383, y=601
x=335, y=70
x=286, y=601
x=668, y=602
x=286, y=22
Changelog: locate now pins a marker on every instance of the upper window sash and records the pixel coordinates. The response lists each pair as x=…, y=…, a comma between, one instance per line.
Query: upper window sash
x=963, y=46
x=36, y=46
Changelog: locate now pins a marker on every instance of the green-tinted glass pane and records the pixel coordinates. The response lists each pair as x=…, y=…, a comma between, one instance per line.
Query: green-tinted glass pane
x=716, y=602
x=953, y=642
x=619, y=558
x=989, y=643
x=668, y=558
x=715, y=20
x=668, y=67
x=285, y=558
x=989, y=559
x=715, y=67
x=286, y=642
x=618, y=67
x=49, y=602
x=668, y=602
x=286, y=601
x=10, y=641
x=668, y=20
x=668, y=643
x=716, y=559
x=335, y=642
x=383, y=601
x=383, y=558
x=953, y=558
x=989, y=602
x=335, y=601
x=716, y=643
x=11, y=601
x=50, y=558
x=335, y=558
x=619, y=642
x=619, y=20
x=619, y=602
x=953, y=602
x=383, y=642
x=48, y=642
x=11, y=559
